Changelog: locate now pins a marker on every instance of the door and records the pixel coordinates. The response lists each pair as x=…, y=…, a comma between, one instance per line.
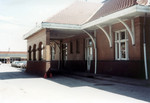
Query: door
x=89, y=53
x=53, y=52
x=64, y=53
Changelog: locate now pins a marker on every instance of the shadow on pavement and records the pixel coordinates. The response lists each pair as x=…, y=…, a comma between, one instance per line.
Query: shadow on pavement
x=137, y=92
x=15, y=75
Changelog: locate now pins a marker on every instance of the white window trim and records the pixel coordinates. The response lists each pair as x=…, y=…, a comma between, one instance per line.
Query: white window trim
x=53, y=53
x=86, y=47
x=119, y=42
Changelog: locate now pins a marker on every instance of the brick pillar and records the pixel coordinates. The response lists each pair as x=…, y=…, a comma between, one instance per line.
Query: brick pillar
x=37, y=54
x=47, y=50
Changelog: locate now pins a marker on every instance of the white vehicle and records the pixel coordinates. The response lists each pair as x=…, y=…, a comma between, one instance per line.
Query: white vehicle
x=0, y=63
x=21, y=64
x=14, y=63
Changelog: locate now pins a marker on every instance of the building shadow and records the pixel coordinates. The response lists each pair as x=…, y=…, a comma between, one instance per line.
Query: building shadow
x=16, y=75
x=136, y=92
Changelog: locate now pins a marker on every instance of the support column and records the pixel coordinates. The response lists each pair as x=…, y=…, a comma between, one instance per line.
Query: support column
x=47, y=50
x=94, y=42
x=109, y=37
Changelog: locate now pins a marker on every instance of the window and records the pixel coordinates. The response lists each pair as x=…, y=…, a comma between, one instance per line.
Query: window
x=90, y=49
x=65, y=51
x=77, y=46
x=71, y=48
x=121, y=45
x=42, y=47
x=89, y=42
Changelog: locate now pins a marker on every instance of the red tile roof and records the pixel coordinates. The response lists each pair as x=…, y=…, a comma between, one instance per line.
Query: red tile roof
x=112, y=6
x=77, y=13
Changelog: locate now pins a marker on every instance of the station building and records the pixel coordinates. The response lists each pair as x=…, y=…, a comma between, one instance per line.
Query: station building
x=107, y=38
x=10, y=56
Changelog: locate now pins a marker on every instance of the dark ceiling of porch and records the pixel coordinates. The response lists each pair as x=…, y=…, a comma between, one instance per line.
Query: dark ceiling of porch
x=63, y=33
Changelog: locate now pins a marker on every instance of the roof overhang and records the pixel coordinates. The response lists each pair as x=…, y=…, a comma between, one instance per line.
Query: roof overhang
x=60, y=26
x=32, y=31
x=131, y=12
x=61, y=31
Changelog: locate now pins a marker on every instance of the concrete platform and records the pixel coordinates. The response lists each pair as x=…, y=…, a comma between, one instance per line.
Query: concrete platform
x=117, y=79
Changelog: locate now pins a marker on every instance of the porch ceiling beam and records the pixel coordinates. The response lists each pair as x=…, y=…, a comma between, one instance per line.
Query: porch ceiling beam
x=107, y=35
x=94, y=42
x=131, y=33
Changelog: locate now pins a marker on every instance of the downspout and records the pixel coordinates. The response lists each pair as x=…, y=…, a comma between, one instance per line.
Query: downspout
x=144, y=47
x=94, y=42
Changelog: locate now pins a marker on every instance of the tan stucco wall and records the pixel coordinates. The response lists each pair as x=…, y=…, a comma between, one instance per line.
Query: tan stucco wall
x=36, y=39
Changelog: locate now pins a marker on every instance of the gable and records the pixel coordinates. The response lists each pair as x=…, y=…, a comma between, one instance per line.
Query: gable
x=112, y=6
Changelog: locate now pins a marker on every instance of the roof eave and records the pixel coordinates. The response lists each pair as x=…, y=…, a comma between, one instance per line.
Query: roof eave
x=140, y=10
x=61, y=26
x=32, y=31
x=51, y=26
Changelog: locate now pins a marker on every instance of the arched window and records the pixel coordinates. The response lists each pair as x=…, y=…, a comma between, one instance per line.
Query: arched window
x=41, y=51
x=29, y=52
x=34, y=52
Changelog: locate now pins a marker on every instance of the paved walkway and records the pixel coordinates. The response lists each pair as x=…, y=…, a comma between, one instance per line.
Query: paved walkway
x=16, y=86
x=117, y=79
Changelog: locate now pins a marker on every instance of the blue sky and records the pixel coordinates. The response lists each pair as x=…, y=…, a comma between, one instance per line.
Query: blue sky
x=19, y=16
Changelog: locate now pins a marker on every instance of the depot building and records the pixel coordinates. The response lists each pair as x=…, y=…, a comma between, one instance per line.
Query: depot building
x=99, y=38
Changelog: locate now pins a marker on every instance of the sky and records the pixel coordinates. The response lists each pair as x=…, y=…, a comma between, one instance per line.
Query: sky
x=17, y=17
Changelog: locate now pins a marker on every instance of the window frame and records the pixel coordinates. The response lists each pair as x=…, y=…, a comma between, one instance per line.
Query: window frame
x=118, y=41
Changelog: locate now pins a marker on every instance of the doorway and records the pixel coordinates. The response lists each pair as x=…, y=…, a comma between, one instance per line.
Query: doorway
x=64, y=53
x=89, y=53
